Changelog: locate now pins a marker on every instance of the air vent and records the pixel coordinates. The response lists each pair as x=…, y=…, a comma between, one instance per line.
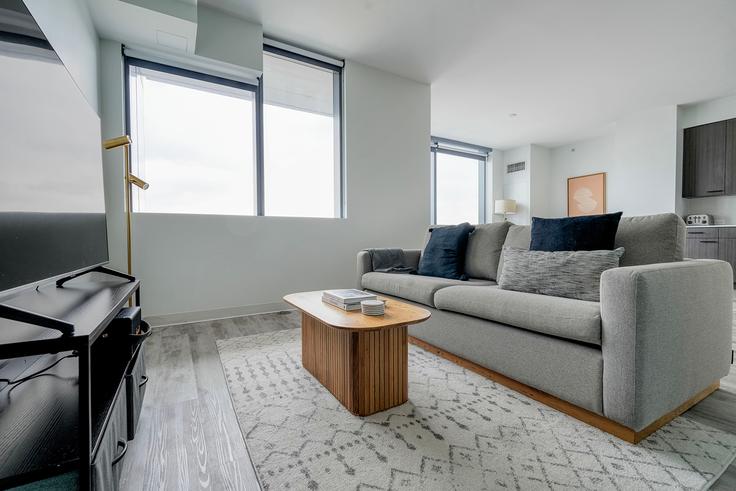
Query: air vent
x=517, y=167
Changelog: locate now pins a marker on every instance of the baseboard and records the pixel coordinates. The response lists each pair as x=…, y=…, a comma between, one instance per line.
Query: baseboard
x=215, y=314
x=602, y=423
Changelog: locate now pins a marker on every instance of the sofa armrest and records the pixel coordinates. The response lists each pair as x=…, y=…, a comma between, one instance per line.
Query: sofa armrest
x=666, y=336
x=365, y=266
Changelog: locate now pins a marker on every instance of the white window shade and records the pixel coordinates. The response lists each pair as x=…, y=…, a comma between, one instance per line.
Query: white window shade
x=298, y=86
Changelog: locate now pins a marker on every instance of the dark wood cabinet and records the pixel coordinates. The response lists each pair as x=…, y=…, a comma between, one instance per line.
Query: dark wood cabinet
x=704, y=160
x=702, y=248
x=731, y=157
x=727, y=251
x=712, y=243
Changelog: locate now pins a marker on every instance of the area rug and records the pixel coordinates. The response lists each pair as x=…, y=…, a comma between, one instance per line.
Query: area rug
x=458, y=431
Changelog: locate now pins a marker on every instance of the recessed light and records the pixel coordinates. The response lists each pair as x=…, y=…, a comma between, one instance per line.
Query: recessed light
x=512, y=115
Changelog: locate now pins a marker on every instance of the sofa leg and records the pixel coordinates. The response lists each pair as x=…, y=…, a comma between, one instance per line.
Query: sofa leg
x=602, y=423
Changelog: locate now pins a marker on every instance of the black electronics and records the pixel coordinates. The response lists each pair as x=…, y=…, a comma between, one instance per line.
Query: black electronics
x=52, y=204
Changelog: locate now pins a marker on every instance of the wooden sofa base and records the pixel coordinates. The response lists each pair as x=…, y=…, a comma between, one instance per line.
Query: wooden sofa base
x=616, y=429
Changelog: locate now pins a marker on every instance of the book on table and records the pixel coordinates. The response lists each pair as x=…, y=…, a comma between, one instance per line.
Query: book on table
x=346, y=299
x=344, y=306
x=348, y=296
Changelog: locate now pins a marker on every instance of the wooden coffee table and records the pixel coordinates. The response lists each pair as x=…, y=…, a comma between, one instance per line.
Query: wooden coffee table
x=361, y=359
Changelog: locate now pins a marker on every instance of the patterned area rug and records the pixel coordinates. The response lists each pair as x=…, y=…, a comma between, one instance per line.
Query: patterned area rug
x=458, y=431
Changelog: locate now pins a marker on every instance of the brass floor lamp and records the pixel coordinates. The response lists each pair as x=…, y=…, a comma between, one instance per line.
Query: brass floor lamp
x=129, y=180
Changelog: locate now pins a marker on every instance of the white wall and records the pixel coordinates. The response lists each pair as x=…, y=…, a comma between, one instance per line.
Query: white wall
x=204, y=263
x=68, y=26
x=113, y=125
x=517, y=185
x=229, y=39
x=540, y=178
x=639, y=158
x=723, y=208
x=578, y=159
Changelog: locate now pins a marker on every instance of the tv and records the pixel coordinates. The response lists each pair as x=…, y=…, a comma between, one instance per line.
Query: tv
x=52, y=203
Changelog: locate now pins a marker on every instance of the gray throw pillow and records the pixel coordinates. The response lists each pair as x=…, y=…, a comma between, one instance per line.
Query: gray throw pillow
x=570, y=274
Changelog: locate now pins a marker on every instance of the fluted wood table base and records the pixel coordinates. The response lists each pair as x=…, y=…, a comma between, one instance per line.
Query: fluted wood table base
x=367, y=371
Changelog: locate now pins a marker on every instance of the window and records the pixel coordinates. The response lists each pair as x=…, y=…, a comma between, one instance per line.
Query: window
x=301, y=136
x=194, y=141
x=209, y=145
x=458, y=176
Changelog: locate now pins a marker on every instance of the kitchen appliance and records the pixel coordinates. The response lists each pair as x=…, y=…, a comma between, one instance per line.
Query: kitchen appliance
x=699, y=219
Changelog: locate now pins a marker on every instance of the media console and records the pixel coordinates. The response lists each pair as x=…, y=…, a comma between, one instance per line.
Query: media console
x=70, y=424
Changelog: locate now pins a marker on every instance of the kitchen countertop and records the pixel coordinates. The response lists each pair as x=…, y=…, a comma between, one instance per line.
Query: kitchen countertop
x=711, y=226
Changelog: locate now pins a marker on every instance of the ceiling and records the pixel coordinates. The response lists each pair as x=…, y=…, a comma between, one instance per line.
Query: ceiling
x=567, y=68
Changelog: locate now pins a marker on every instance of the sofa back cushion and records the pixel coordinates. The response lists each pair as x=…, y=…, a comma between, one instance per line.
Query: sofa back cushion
x=647, y=239
x=651, y=239
x=518, y=237
x=586, y=233
x=484, y=250
x=444, y=254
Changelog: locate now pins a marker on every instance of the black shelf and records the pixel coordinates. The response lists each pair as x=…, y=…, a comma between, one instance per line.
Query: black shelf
x=40, y=423
x=46, y=423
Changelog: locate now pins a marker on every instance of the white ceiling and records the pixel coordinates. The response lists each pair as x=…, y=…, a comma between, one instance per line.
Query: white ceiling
x=569, y=68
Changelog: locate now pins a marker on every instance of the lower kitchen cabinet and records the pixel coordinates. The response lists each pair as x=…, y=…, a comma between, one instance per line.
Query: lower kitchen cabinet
x=712, y=243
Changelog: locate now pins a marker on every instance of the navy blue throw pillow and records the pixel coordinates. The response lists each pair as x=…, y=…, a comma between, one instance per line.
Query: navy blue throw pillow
x=444, y=254
x=587, y=233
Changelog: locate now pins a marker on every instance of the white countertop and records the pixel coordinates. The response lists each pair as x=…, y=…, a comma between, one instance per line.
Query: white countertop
x=711, y=226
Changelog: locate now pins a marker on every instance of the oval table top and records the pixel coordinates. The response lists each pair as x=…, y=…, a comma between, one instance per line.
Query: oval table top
x=397, y=313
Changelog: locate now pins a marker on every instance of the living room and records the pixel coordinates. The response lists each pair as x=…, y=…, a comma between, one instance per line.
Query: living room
x=538, y=197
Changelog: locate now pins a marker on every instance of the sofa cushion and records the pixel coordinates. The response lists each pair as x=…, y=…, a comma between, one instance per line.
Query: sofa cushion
x=567, y=318
x=444, y=254
x=648, y=239
x=585, y=233
x=651, y=239
x=518, y=237
x=571, y=274
x=413, y=287
x=484, y=250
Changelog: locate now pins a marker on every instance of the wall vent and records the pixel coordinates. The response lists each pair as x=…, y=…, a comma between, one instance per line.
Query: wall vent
x=517, y=167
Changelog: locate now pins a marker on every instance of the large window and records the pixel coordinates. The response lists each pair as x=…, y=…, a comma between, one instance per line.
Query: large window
x=209, y=145
x=301, y=133
x=458, y=177
x=194, y=141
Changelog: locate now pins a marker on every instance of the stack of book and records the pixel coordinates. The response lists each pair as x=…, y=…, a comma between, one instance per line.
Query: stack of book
x=346, y=299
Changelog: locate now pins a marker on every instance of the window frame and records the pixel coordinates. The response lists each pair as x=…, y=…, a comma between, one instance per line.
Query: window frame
x=338, y=97
x=337, y=102
x=130, y=61
x=465, y=150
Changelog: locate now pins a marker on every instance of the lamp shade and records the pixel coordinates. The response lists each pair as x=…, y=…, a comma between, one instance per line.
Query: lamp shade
x=505, y=206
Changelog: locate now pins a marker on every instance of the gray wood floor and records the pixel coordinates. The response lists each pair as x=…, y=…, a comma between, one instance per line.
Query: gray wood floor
x=188, y=436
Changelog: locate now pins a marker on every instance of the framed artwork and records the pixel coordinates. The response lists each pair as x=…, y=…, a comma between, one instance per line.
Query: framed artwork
x=586, y=195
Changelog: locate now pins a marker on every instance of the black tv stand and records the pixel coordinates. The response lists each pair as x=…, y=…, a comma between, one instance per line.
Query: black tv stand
x=99, y=269
x=21, y=315
x=59, y=428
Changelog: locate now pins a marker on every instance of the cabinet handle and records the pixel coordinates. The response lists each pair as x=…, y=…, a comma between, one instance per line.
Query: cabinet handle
x=119, y=457
x=144, y=381
x=715, y=191
x=695, y=233
x=708, y=241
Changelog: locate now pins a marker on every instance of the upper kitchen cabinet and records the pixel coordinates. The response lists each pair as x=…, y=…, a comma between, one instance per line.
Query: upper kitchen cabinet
x=704, y=160
x=709, y=160
x=731, y=156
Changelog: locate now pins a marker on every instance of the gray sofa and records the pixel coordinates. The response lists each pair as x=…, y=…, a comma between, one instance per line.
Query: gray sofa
x=660, y=334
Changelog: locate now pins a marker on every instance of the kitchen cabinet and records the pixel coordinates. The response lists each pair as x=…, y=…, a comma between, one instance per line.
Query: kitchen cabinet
x=712, y=243
x=702, y=249
x=731, y=157
x=704, y=160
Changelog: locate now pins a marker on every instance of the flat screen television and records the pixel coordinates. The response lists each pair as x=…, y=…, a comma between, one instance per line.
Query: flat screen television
x=52, y=204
